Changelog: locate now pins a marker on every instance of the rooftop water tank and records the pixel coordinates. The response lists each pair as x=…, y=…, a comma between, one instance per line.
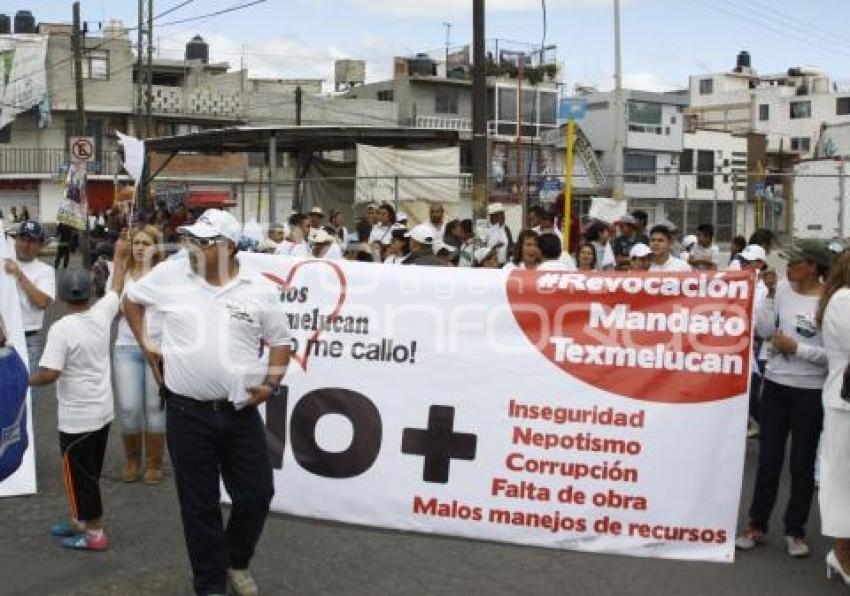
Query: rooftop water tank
x=24, y=22
x=422, y=66
x=198, y=49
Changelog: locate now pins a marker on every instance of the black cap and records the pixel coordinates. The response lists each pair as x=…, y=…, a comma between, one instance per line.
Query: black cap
x=31, y=229
x=75, y=286
x=814, y=251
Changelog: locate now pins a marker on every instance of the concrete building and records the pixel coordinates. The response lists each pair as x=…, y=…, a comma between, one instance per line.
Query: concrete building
x=790, y=109
x=654, y=140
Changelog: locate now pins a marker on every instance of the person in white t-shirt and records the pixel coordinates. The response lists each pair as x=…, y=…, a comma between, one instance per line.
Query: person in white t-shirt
x=398, y=249
x=36, y=285
x=705, y=254
x=660, y=238
x=792, y=405
x=437, y=219
x=640, y=257
x=552, y=255
x=136, y=390
x=323, y=246
x=77, y=356
x=498, y=235
x=295, y=244
x=217, y=317
x=381, y=234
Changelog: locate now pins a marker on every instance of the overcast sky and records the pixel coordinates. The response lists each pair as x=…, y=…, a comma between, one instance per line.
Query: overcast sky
x=664, y=41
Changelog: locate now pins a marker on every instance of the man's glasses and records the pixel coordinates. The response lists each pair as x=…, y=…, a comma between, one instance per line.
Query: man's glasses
x=204, y=242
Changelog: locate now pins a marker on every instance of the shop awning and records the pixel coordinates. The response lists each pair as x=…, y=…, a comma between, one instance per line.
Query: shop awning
x=206, y=199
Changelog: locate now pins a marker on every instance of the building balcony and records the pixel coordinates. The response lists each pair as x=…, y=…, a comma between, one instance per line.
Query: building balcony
x=224, y=103
x=50, y=162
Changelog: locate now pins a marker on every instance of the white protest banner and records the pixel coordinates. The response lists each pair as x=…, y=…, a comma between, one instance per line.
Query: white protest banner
x=23, y=77
x=134, y=155
x=23, y=480
x=386, y=175
x=599, y=413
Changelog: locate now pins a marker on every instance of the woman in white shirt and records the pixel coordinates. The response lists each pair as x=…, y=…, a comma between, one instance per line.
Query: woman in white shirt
x=526, y=252
x=834, y=319
x=136, y=389
x=791, y=396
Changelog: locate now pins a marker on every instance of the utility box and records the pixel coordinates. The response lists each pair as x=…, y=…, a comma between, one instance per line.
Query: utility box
x=821, y=199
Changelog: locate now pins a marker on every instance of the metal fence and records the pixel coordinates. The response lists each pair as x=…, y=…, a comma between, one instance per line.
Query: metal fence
x=735, y=204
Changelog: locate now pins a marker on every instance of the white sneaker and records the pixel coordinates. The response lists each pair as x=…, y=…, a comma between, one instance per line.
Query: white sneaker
x=796, y=547
x=242, y=582
x=749, y=539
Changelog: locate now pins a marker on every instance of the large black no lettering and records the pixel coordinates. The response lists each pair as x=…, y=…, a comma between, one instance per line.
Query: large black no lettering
x=365, y=444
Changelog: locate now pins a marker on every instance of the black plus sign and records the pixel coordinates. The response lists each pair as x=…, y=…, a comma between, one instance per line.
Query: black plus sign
x=439, y=444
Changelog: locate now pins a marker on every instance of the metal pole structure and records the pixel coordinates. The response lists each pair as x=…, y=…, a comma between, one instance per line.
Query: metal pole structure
x=842, y=198
x=619, y=110
x=479, y=114
x=734, y=205
x=298, y=104
x=149, y=75
x=140, y=39
x=520, y=167
x=395, y=195
x=272, y=178
x=568, y=183
x=80, y=119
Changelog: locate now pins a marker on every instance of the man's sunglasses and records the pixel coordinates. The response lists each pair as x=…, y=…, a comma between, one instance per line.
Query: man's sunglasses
x=205, y=242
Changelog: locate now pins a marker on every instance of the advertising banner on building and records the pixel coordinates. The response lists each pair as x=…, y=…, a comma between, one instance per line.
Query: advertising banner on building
x=23, y=78
x=17, y=446
x=598, y=413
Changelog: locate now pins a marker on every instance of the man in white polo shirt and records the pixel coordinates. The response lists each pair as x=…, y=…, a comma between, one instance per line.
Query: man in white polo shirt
x=215, y=317
x=498, y=234
x=36, y=285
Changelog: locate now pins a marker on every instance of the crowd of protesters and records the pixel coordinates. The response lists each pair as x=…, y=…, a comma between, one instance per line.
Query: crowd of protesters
x=800, y=377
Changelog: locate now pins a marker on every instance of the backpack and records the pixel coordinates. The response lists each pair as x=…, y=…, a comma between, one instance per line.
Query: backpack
x=14, y=440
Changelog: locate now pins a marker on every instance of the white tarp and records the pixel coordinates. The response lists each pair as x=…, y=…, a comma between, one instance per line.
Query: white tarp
x=602, y=413
x=23, y=78
x=22, y=482
x=134, y=155
x=385, y=175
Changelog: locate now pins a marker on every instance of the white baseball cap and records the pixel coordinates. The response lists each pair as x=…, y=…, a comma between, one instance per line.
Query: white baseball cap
x=753, y=252
x=423, y=233
x=689, y=241
x=213, y=223
x=639, y=251
x=494, y=208
x=317, y=211
x=319, y=236
x=401, y=216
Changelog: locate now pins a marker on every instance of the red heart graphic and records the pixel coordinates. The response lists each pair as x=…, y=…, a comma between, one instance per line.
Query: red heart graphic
x=343, y=291
x=563, y=315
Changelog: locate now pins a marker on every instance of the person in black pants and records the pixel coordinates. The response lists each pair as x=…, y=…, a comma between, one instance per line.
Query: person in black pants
x=215, y=316
x=65, y=236
x=791, y=396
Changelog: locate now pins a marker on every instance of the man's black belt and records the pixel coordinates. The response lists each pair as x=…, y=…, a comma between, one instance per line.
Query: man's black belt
x=213, y=405
x=30, y=333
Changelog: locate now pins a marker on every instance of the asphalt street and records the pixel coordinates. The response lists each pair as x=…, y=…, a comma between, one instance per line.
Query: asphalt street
x=305, y=557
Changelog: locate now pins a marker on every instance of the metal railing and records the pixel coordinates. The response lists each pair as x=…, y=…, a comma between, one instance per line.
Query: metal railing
x=51, y=161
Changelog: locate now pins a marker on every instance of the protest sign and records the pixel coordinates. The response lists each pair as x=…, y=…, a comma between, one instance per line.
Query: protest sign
x=18, y=472
x=600, y=413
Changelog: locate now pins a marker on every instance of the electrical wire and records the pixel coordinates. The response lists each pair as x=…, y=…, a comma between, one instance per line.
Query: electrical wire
x=762, y=24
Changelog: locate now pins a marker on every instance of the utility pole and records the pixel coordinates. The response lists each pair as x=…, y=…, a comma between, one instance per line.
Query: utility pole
x=77, y=49
x=619, y=110
x=80, y=119
x=448, y=27
x=149, y=78
x=479, y=114
x=298, y=104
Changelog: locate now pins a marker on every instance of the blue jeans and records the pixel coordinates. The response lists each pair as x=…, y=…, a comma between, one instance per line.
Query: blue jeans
x=136, y=392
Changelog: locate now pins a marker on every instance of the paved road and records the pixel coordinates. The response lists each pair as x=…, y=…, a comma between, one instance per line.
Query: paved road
x=303, y=557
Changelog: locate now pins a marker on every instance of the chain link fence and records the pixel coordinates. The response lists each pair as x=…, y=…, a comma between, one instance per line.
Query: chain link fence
x=811, y=205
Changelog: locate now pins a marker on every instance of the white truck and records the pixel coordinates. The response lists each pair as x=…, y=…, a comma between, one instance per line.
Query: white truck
x=822, y=199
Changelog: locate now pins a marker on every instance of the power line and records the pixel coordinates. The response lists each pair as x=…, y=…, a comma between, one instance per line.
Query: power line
x=763, y=25
x=173, y=9
x=214, y=14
